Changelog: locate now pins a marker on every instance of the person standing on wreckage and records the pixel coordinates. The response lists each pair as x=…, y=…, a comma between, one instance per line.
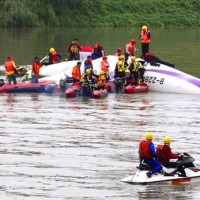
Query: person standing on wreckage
x=145, y=38
x=147, y=155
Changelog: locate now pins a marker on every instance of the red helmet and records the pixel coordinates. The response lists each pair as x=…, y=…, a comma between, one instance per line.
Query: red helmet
x=9, y=57
x=105, y=58
x=133, y=41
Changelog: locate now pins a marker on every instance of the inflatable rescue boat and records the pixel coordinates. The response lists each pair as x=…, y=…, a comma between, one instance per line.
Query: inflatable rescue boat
x=76, y=91
x=131, y=89
x=41, y=87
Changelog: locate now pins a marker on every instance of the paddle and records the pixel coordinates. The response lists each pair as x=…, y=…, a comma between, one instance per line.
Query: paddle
x=44, y=58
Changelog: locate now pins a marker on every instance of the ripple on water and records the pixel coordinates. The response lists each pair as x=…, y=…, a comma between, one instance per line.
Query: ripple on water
x=57, y=148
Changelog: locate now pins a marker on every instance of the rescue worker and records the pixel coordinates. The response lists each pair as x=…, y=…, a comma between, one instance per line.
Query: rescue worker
x=120, y=67
x=129, y=50
x=76, y=72
x=118, y=52
x=137, y=69
x=101, y=81
x=87, y=77
x=145, y=39
x=74, y=50
x=35, y=70
x=54, y=57
x=88, y=63
x=98, y=51
x=11, y=70
x=155, y=61
x=87, y=82
x=147, y=154
x=105, y=66
x=164, y=154
x=129, y=78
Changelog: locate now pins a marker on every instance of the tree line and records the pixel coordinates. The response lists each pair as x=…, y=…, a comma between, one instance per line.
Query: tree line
x=99, y=13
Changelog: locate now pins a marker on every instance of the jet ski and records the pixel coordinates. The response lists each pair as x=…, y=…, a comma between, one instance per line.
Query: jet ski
x=168, y=175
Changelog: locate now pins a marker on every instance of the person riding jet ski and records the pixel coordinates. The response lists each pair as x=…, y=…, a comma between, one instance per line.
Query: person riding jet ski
x=147, y=154
x=164, y=155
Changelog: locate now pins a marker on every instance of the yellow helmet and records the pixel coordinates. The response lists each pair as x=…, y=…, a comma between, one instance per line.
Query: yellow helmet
x=52, y=50
x=127, y=71
x=133, y=58
x=144, y=27
x=121, y=57
x=101, y=73
x=88, y=71
x=149, y=136
x=167, y=140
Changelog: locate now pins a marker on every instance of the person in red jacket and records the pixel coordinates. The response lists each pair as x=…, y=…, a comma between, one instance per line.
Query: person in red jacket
x=54, y=57
x=11, y=70
x=98, y=51
x=35, y=70
x=129, y=50
x=164, y=155
x=129, y=78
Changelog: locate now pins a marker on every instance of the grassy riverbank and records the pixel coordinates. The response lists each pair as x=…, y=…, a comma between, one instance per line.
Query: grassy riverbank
x=100, y=13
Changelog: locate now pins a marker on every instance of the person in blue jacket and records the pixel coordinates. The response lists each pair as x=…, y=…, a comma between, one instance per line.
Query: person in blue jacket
x=88, y=63
x=147, y=154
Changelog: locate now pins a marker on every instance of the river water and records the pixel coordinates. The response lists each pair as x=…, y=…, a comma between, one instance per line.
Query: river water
x=178, y=46
x=56, y=148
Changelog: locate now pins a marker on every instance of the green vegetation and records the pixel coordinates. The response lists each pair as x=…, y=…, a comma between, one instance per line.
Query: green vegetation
x=99, y=13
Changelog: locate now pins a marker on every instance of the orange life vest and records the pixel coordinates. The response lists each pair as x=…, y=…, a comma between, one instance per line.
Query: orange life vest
x=10, y=69
x=129, y=48
x=101, y=80
x=76, y=73
x=105, y=66
x=161, y=153
x=144, y=149
x=36, y=68
x=144, y=37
